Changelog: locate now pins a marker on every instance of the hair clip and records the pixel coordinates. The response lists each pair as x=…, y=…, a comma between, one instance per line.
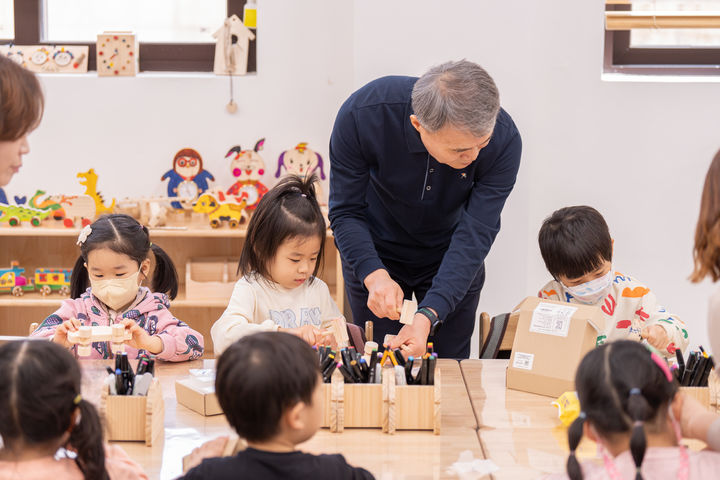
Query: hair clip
x=84, y=234
x=77, y=399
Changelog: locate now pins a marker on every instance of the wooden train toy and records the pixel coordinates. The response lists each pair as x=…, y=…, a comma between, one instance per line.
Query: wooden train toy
x=46, y=280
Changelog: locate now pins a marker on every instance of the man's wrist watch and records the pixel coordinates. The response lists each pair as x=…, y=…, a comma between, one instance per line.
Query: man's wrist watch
x=434, y=320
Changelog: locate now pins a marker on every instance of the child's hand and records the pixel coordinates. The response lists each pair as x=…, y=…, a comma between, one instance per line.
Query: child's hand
x=211, y=448
x=61, y=332
x=141, y=339
x=310, y=333
x=656, y=336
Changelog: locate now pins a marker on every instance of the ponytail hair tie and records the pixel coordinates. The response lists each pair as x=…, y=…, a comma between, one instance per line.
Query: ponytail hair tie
x=582, y=415
x=635, y=391
x=77, y=399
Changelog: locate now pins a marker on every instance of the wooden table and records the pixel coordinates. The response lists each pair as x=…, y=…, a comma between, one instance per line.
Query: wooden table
x=520, y=432
x=404, y=455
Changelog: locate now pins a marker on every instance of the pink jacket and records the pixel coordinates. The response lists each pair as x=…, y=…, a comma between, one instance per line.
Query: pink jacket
x=150, y=311
x=659, y=463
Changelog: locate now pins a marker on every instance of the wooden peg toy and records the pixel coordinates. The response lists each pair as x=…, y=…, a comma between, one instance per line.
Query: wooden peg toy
x=339, y=330
x=86, y=335
x=407, y=312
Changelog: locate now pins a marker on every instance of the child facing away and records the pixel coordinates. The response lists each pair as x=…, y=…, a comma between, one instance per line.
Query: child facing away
x=114, y=261
x=48, y=430
x=629, y=413
x=278, y=289
x=576, y=246
x=268, y=386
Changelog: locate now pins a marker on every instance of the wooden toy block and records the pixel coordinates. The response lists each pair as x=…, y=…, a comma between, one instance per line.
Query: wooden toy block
x=407, y=312
x=47, y=58
x=134, y=418
x=86, y=335
x=339, y=330
x=387, y=406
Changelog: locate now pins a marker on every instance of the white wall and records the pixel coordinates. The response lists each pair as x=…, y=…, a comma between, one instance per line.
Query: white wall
x=636, y=151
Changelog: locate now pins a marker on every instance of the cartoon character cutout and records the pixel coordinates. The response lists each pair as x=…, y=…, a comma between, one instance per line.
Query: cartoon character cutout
x=302, y=161
x=187, y=178
x=247, y=167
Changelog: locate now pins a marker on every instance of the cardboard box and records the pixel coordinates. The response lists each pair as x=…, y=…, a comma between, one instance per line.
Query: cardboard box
x=197, y=392
x=551, y=339
x=210, y=278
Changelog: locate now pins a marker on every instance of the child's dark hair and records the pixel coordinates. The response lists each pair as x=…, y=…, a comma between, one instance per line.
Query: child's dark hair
x=621, y=389
x=574, y=241
x=39, y=393
x=290, y=209
x=123, y=234
x=262, y=375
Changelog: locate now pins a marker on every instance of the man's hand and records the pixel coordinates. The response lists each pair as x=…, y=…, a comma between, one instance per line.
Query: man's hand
x=656, y=336
x=385, y=295
x=414, y=337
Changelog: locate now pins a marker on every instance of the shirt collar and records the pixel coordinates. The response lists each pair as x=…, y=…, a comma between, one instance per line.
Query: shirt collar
x=412, y=136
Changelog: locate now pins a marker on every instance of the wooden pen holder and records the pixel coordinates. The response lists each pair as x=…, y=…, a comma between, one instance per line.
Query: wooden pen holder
x=387, y=405
x=134, y=418
x=708, y=396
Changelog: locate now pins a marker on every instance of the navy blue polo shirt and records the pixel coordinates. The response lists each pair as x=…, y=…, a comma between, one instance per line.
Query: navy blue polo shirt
x=390, y=200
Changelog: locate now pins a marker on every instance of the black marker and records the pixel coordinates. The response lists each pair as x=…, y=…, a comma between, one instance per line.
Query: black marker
x=681, y=362
x=408, y=370
x=431, y=369
x=345, y=373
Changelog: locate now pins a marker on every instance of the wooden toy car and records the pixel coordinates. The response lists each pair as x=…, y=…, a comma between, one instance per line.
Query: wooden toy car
x=53, y=280
x=12, y=280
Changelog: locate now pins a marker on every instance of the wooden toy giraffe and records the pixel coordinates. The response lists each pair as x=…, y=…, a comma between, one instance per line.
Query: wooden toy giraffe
x=90, y=183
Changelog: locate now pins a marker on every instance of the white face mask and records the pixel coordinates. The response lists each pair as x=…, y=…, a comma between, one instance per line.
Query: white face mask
x=116, y=292
x=594, y=290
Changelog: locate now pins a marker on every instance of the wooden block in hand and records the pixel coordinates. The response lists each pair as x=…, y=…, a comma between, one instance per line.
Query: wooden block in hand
x=407, y=313
x=86, y=335
x=339, y=329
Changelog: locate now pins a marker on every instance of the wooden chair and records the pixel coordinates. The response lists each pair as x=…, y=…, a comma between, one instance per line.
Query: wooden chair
x=498, y=334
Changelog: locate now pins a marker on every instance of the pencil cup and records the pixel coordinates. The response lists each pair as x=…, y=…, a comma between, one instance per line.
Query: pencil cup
x=387, y=406
x=134, y=418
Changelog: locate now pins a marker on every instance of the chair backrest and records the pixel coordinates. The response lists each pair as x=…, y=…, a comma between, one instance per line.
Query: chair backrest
x=357, y=337
x=500, y=335
x=33, y=327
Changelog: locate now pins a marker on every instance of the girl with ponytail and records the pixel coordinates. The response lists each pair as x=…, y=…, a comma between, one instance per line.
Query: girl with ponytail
x=278, y=289
x=48, y=430
x=106, y=288
x=626, y=394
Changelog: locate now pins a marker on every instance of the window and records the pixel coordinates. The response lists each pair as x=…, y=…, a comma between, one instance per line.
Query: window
x=662, y=36
x=7, y=30
x=174, y=35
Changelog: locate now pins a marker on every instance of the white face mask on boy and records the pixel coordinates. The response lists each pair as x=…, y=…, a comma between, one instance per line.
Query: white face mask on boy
x=594, y=290
x=116, y=292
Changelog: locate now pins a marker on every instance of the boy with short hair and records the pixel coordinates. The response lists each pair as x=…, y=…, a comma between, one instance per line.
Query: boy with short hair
x=577, y=249
x=268, y=385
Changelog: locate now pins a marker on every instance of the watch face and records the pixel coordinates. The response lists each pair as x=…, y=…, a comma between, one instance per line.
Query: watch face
x=252, y=194
x=187, y=189
x=62, y=58
x=39, y=57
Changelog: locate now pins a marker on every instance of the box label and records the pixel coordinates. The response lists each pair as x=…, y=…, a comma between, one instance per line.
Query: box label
x=523, y=360
x=551, y=319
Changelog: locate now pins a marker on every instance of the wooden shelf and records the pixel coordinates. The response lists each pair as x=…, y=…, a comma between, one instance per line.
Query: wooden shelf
x=223, y=232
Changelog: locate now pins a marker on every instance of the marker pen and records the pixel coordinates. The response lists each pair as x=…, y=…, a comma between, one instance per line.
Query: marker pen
x=408, y=370
x=355, y=371
x=328, y=360
x=399, y=357
x=345, y=373
x=364, y=370
x=680, y=362
x=392, y=358
x=327, y=373
x=431, y=370
x=373, y=360
x=119, y=385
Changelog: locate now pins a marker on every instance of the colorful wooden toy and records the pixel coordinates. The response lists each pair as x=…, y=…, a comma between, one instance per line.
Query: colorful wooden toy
x=301, y=161
x=70, y=209
x=219, y=212
x=247, y=166
x=116, y=334
x=12, y=280
x=49, y=280
x=407, y=312
x=14, y=215
x=117, y=54
x=187, y=178
x=232, y=47
x=48, y=59
x=89, y=181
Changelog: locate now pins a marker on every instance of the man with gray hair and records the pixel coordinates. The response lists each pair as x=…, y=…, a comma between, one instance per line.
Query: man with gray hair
x=420, y=169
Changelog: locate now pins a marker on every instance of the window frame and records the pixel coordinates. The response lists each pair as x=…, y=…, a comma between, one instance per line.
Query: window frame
x=621, y=57
x=157, y=57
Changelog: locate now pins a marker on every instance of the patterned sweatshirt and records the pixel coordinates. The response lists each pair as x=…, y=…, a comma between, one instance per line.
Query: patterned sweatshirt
x=628, y=308
x=149, y=310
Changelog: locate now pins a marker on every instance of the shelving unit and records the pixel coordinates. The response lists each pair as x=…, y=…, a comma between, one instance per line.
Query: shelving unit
x=55, y=247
